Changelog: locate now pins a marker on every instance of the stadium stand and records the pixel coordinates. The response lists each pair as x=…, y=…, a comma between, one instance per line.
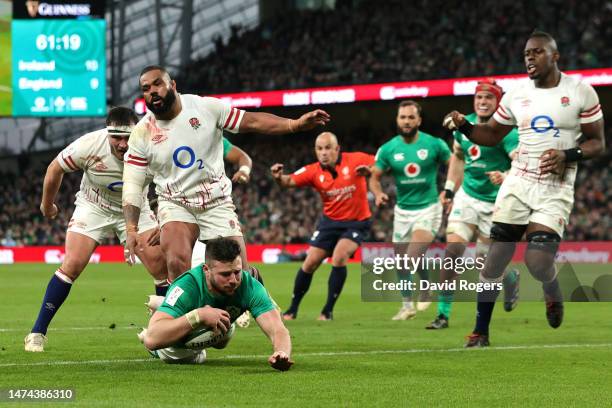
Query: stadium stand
x=395, y=40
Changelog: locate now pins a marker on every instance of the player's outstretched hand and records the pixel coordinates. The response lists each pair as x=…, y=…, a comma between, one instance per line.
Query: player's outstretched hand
x=381, y=199
x=131, y=242
x=240, y=177
x=552, y=161
x=363, y=170
x=453, y=120
x=311, y=120
x=496, y=177
x=49, y=212
x=280, y=361
x=218, y=319
x=277, y=170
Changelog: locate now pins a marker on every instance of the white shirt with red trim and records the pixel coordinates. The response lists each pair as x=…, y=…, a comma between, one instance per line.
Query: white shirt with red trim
x=548, y=118
x=102, y=182
x=185, y=154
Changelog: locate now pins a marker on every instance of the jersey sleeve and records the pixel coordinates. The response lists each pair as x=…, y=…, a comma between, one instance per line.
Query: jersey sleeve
x=259, y=301
x=227, y=146
x=590, y=109
x=381, y=160
x=503, y=114
x=227, y=118
x=510, y=142
x=364, y=159
x=182, y=297
x=303, y=176
x=444, y=152
x=72, y=157
x=135, y=168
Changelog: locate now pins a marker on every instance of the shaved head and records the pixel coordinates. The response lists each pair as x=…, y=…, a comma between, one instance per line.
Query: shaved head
x=327, y=149
x=327, y=137
x=546, y=39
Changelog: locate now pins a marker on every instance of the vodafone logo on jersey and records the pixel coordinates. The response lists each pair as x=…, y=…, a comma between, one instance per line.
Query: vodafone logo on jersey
x=412, y=170
x=474, y=152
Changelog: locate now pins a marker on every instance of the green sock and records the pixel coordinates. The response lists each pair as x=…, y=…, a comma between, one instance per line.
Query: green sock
x=445, y=302
x=405, y=276
x=510, y=277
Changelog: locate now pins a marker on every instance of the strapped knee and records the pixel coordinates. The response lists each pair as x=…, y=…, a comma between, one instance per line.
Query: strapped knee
x=502, y=232
x=543, y=241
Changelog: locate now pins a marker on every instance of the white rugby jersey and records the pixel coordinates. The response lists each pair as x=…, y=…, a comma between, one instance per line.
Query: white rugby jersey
x=548, y=119
x=102, y=172
x=185, y=154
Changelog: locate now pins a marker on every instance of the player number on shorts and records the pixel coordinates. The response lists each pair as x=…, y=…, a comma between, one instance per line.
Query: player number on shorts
x=184, y=157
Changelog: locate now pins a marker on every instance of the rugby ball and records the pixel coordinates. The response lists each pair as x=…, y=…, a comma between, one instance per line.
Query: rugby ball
x=205, y=337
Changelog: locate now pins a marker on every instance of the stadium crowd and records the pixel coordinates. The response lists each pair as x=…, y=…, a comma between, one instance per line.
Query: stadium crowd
x=371, y=41
x=271, y=215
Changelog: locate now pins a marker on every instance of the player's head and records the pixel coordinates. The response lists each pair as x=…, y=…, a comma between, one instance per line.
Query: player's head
x=487, y=97
x=327, y=149
x=223, y=265
x=541, y=55
x=408, y=118
x=158, y=89
x=119, y=123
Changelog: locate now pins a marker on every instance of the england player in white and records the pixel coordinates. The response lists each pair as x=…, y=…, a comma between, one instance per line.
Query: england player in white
x=560, y=123
x=97, y=214
x=180, y=142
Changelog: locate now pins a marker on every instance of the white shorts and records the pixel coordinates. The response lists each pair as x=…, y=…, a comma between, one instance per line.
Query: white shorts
x=521, y=201
x=469, y=210
x=405, y=222
x=198, y=256
x=174, y=355
x=220, y=221
x=96, y=223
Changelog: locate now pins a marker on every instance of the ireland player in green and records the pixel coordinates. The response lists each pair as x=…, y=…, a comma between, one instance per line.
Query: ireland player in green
x=413, y=157
x=213, y=295
x=474, y=176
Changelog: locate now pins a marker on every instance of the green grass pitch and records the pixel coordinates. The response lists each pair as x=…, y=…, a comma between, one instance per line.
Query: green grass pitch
x=362, y=358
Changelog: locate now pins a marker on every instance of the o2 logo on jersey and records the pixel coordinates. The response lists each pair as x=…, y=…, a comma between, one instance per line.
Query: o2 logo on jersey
x=184, y=157
x=115, y=186
x=544, y=123
x=412, y=170
x=474, y=152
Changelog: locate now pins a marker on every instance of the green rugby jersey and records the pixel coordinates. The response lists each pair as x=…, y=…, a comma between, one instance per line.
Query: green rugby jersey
x=481, y=159
x=227, y=146
x=189, y=291
x=414, y=167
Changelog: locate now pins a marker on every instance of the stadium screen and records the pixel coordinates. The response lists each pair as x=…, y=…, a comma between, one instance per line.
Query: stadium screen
x=52, y=67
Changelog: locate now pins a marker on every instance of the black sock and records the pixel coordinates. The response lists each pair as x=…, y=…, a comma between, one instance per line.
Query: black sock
x=484, y=310
x=300, y=287
x=552, y=290
x=337, y=277
x=57, y=292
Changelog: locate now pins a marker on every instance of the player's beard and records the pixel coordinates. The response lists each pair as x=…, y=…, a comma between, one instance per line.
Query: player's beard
x=408, y=135
x=166, y=105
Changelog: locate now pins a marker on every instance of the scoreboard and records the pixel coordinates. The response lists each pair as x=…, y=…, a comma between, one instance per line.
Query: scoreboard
x=57, y=63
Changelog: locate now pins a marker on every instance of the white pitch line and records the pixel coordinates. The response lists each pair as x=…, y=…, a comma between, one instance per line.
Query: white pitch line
x=99, y=328
x=320, y=354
